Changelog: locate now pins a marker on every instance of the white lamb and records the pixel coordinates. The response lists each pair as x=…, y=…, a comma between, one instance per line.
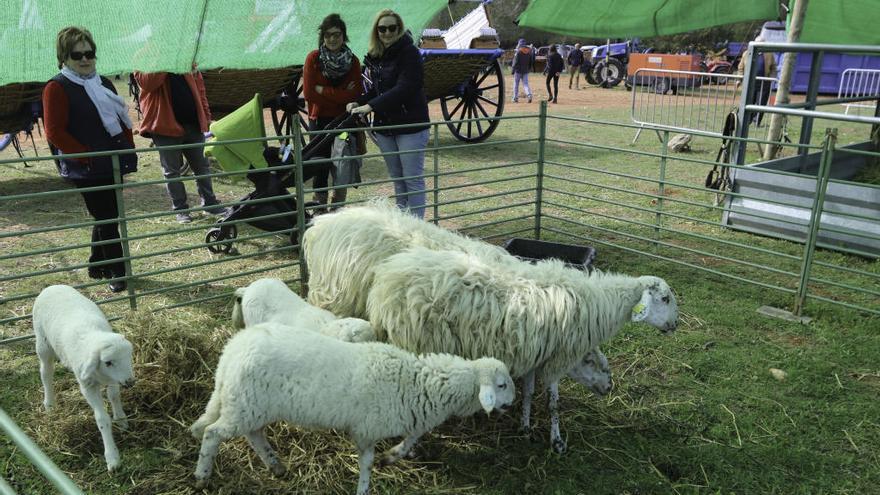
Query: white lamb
x=542, y=317
x=270, y=299
x=72, y=329
x=271, y=372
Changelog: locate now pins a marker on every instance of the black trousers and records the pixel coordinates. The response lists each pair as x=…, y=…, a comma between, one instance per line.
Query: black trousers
x=555, y=92
x=320, y=172
x=102, y=206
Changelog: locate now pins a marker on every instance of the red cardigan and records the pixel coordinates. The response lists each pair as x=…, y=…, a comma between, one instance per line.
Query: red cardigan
x=331, y=102
x=55, y=118
x=156, y=103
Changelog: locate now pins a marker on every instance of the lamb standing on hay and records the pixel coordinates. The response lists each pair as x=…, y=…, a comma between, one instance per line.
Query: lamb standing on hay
x=271, y=372
x=543, y=317
x=270, y=299
x=342, y=250
x=72, y=329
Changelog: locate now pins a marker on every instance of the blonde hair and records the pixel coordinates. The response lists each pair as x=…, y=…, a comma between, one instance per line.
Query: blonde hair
x=68, y=38
x=376, y=48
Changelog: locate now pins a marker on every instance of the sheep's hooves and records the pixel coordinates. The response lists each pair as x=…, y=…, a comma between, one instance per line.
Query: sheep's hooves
x=122, y=424
x=278, y=470
x=201, y=484
x=387, y=461
x=559, y=446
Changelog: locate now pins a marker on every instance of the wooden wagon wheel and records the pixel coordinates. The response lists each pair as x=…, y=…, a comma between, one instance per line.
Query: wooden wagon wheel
x=290, y=107
x=480, y=96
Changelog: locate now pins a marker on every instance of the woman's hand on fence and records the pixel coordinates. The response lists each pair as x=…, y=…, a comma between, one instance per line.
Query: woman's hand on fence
x=319, y=89
x=363, y=109
x=351, y=106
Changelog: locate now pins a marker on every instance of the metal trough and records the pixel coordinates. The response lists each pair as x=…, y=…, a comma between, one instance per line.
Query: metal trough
x=758, y=211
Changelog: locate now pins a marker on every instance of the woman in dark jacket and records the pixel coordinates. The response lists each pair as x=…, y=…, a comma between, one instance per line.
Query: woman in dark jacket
x=83, y=113
x=554, y=67
x=397, y=97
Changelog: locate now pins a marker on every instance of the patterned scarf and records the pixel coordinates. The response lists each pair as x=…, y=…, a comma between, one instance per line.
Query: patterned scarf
x=335, y=65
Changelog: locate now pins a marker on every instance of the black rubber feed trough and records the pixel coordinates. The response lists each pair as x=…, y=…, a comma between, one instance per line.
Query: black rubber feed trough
x=580, y=257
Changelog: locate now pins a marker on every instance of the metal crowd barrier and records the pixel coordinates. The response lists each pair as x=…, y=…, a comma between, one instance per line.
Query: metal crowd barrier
x=687, y=101
x=858, y=83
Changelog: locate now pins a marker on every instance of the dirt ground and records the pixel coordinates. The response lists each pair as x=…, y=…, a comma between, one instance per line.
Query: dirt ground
x=588, y=96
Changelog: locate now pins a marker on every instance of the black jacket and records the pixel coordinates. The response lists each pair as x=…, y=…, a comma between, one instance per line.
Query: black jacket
x=554, y=64
x=397, y=93
x=84, y=124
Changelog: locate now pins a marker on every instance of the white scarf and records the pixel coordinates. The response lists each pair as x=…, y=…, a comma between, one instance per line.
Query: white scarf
x=111, y=107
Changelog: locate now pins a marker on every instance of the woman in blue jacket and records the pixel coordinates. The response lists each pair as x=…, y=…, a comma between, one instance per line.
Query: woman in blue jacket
x=397, y=97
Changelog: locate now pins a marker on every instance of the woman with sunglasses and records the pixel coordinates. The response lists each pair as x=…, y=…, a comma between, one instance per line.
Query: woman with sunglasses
x=83, y=113
x=397, y=97
x=331, y=79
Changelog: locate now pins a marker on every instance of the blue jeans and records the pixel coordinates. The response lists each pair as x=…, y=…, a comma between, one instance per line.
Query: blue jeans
x=524, y=77
x=409, y=192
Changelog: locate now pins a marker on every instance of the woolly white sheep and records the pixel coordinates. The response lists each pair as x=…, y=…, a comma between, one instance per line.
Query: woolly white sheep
x=542, y=317
x=72, y=329
x=342, y=250
x=270, y=299
x=271, y=372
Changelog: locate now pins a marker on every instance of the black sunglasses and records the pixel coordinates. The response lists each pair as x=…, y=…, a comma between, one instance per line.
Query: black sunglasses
x=391, y=29
x=79, y=55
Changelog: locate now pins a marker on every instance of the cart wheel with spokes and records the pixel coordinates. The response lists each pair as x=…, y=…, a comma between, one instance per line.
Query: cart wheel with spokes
x=481, y=96
x=288, y=109
x=216, y=237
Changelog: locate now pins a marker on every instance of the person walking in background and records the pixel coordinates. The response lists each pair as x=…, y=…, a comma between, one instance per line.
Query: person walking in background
x=765, y=67
x=397, y=97
x=575, y=59
x=83, y=113
x=553, y=69
x=523, y=63
x=331, y=80
x=175, y=109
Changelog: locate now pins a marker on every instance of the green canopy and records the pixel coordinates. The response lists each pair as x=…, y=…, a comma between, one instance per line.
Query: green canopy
x=639, y=18
x=170, y=35
x=245, y=122
x=853, y=22
x=843, y=22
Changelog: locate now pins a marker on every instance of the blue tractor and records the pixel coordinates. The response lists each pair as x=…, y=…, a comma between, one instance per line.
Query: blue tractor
x=606, y=64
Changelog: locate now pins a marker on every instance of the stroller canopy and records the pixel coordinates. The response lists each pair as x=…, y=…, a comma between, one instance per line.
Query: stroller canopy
x=245, y=122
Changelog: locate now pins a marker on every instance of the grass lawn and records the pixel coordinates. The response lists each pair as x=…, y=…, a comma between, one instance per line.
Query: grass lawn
x=695, y=412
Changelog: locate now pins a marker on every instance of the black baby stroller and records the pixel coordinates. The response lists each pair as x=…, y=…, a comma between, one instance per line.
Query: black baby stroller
x=279, y=214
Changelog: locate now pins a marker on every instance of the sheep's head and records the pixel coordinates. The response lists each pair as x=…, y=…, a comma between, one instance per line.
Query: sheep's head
x=657, y=306
x=496, y=385
x=593, y=372
x=110, y=363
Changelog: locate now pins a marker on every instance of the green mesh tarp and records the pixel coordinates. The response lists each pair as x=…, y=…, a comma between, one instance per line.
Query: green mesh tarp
x=843, y=22
x=170, y=35
x=642, y=18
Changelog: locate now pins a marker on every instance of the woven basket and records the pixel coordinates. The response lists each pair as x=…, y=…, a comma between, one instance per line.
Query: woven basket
x=444, y=73
x=228, y=89
x=15, y=109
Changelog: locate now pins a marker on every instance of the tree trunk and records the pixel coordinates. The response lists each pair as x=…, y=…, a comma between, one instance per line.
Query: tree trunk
x=774, y=133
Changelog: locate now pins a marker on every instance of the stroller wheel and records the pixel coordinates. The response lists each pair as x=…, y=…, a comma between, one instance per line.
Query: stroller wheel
x=217, y=234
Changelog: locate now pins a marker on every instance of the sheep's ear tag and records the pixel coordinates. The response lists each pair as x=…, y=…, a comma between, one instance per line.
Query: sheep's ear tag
x=487, y=398
x=640, y=310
